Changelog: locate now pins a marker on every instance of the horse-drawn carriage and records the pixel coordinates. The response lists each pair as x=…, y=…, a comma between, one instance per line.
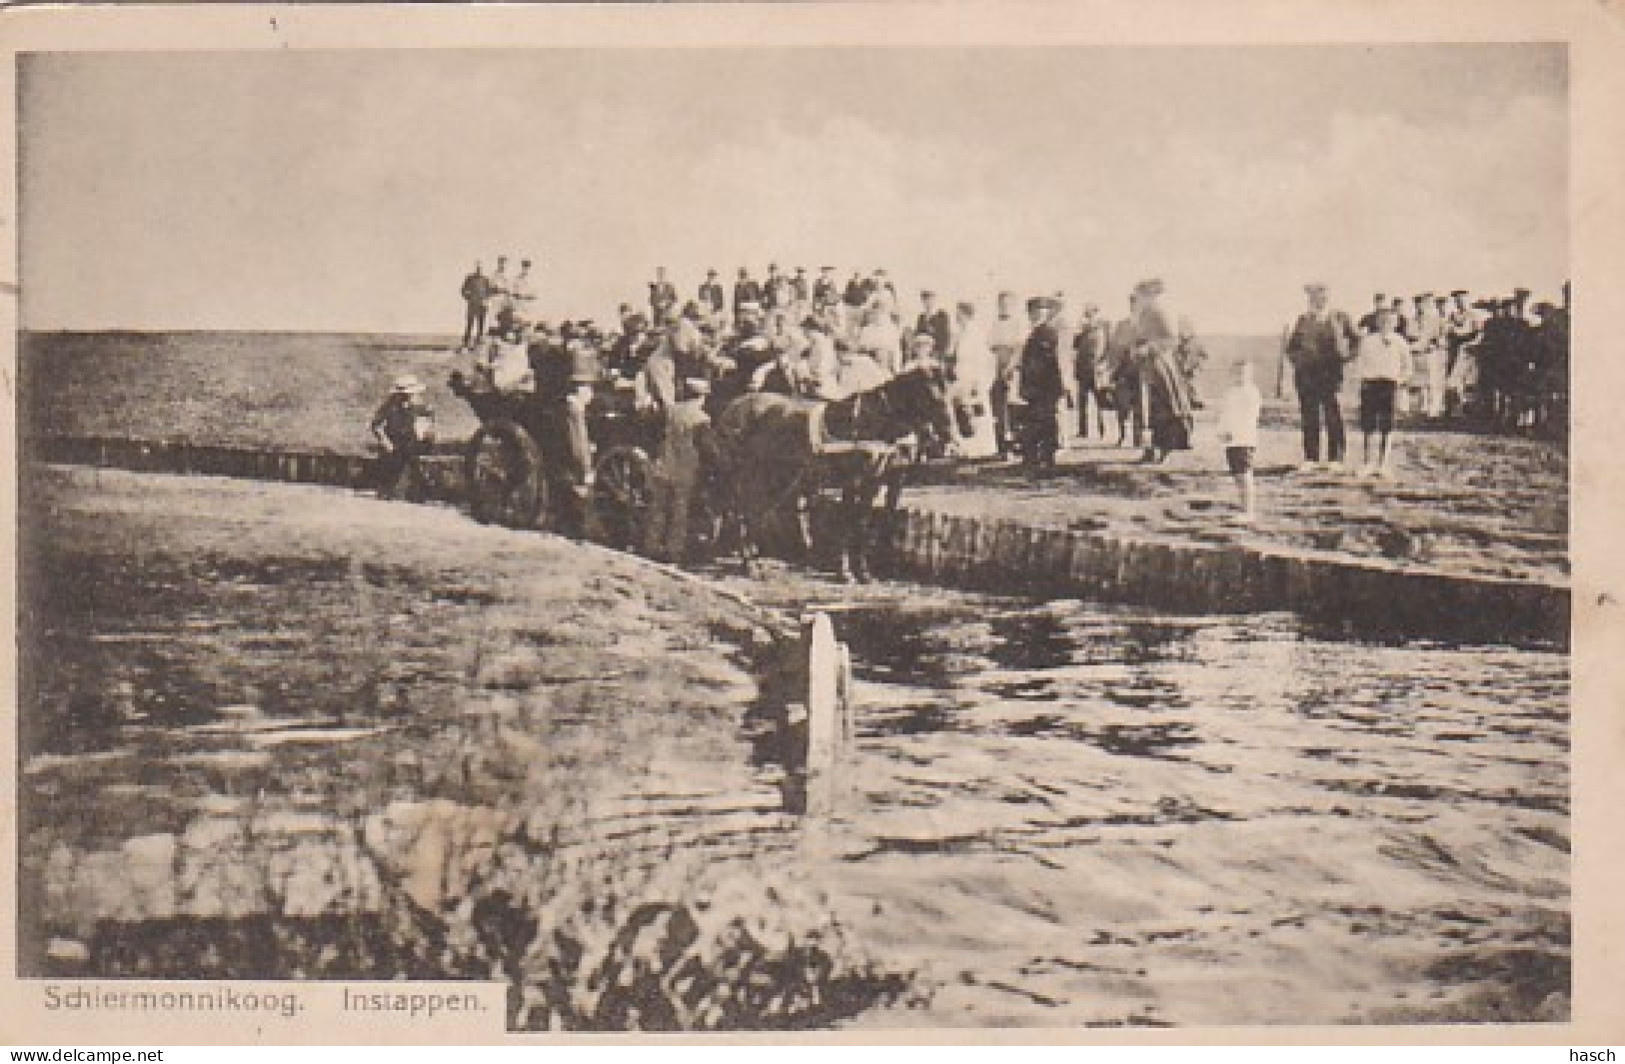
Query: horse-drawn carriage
x=576, y=454
x=572, y=453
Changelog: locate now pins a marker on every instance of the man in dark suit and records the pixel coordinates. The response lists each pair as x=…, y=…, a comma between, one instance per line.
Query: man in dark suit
x=711, y=300
x=934, y=322
x=853, y=298
x=1090, y=371
x=476, y=293
x=1368, y=320
x=823, y=293
x=746, y=290
x=1320, y=344
x=1043, y=383
x=775, y=290
x=662, y=297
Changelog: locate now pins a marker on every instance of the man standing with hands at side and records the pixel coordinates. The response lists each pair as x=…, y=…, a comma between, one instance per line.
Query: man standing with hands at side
x=711, y=297
x=476, y=292
x=662, y=298
x=1318, y=347
x=499, y=298
x=1043, y=385
x=1006, y=336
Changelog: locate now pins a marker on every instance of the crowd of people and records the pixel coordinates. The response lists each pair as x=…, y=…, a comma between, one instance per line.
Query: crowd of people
x=1499, y=363
x=1030, y=372
x=1017, y=368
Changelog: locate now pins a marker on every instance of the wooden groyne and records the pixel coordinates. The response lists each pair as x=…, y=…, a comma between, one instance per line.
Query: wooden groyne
x=1362, y=597
x=442, y=469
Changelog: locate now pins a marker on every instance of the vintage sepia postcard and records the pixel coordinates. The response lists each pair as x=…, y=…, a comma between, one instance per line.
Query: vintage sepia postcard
x=871, y=522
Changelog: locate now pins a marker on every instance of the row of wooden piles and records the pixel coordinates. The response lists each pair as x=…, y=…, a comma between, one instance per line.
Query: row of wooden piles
x=1364, y=596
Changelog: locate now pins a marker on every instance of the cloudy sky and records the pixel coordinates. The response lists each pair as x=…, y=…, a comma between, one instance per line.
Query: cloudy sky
x=351, y=190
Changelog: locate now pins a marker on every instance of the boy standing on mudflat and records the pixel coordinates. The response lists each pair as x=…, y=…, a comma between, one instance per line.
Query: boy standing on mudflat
x=1382, y=359
x=1239, y=409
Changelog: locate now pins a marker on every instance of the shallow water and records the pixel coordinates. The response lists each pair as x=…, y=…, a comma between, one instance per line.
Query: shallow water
x=1074, y=814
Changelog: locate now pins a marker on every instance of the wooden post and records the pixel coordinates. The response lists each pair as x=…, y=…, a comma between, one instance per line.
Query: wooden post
x=827, y=693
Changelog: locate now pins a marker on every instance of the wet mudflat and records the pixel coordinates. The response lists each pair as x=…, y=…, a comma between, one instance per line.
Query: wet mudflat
x=277, y=723
x=1458, y=503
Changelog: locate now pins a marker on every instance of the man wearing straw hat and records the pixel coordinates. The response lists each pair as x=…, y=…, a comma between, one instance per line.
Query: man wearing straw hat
x=403, y=426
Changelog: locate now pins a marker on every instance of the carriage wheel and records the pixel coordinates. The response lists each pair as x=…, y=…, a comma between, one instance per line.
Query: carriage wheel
x=503, y=468
x=622, y=490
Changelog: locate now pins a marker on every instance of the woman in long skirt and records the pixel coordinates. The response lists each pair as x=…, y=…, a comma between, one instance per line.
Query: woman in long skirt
x=1166, y=392
x=1168, y=402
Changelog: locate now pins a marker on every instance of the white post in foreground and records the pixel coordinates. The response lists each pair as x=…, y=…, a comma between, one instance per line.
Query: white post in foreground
x=829, y=718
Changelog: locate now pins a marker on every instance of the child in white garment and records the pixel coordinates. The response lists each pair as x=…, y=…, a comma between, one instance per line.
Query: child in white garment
x=1239, y=408
x=1382, y=358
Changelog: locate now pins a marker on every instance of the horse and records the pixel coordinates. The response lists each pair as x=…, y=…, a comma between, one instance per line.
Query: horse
x=780, y=451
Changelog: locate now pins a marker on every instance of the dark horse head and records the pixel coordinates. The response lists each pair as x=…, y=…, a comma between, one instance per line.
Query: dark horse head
x=914, y=401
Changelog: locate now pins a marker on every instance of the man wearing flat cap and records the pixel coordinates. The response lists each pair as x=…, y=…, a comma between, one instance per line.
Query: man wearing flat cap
x=1043, y=384
x=1318, y=347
